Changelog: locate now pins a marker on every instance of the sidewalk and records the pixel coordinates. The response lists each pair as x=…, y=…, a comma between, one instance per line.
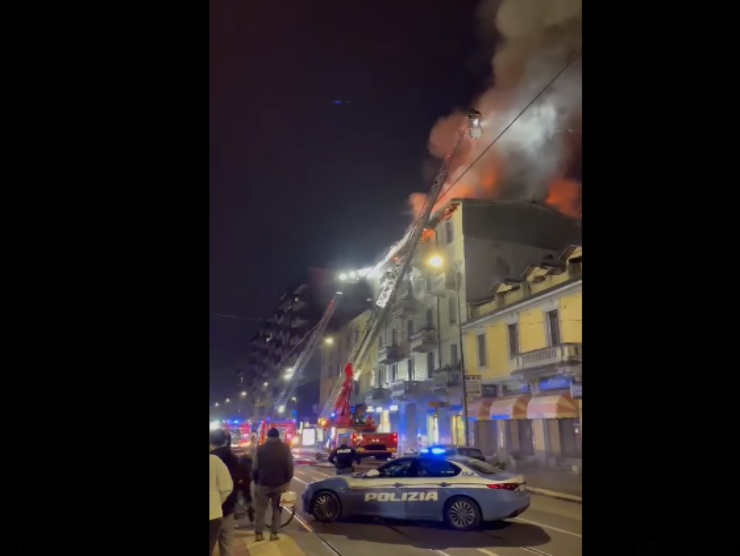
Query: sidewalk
x=244, y=545
x=555, y=483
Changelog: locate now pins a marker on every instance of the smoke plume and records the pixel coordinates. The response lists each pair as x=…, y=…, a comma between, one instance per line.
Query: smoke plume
x=539, y=156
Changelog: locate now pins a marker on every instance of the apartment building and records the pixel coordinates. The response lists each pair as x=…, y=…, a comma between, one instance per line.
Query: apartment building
x=281, y=337
x=525, y=347
x=469, y=244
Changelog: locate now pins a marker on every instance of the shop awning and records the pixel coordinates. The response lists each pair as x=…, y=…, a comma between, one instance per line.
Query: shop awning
x=480, y=409
x=558, y=406
x=509, y=408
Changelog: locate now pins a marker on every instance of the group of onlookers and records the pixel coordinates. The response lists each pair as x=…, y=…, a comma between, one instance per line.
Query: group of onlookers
x=269, y=467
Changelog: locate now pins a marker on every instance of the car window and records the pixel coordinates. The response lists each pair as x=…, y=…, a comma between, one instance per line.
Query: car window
x=398, y=468
x=436, y=467
x=482, y=467
x=471, y=452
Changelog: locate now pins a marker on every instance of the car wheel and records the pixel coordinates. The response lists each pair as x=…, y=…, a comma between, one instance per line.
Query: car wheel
x=326, y=507
x=462, y=514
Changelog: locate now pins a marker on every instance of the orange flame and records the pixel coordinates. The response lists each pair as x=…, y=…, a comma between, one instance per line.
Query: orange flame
x=565, y=196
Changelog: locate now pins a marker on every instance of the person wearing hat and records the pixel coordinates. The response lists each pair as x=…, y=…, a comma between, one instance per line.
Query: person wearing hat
x=272, y=470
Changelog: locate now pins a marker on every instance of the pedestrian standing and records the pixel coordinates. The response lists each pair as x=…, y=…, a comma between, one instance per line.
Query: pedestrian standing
x=221, y=486
x=221, y=443
x=343, y=459
x=272, y=472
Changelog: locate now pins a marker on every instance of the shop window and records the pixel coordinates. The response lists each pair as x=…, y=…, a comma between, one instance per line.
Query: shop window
x=526, y=437
x=570, y=438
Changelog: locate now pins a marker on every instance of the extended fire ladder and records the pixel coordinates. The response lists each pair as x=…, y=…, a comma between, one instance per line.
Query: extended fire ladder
x=305, y=356
x=339, y=398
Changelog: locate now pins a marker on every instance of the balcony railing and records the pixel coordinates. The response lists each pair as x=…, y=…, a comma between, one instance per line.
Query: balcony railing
x=447, y=377
x=566, y=354
x=387, y=355
x=424, y=340
x=402, y=388
x=375, y=395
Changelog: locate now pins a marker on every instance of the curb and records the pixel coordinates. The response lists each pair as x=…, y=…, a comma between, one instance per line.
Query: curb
x=555, y=494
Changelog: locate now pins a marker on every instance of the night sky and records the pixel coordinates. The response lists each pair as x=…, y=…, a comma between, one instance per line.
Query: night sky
x=297, y=180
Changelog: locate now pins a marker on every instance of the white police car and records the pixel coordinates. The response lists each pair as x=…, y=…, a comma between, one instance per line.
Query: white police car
x=461, y=491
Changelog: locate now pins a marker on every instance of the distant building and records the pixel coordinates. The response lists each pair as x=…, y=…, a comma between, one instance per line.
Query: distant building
x=525, y=343
x=282, y=336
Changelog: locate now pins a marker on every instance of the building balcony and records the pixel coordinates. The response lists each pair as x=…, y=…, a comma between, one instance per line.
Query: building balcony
x=424, y=340
x=387, y=355
x=375, y=396
x=447, y=377
x=562, y=354
x=403, y=388
x=441, y=284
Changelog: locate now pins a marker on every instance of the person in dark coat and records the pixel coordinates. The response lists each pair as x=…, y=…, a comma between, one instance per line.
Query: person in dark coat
x=272, y=470
x=343, y=459
x=221, y=443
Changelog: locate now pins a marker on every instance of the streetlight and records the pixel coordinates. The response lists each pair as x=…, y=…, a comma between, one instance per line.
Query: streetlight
x=329, y=341
x=293, y=399
x=437, y=261
x=244, y=393
x=264, y=385
x=227, y=400
x=216, y=404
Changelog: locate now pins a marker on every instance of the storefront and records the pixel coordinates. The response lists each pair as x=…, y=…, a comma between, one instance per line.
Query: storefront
x=557, y=430
x=514, y=434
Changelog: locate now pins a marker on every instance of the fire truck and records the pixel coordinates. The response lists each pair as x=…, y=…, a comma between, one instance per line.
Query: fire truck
x=286, y=427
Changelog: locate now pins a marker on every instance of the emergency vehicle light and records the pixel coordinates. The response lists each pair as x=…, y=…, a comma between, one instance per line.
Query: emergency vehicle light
x=438, y=451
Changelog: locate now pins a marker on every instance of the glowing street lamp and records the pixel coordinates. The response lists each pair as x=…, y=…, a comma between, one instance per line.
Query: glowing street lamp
x=264, y=385
x=227, y=400
x=244, y=393
x=216, y=404
x=329, y=341
x=436, y=261
x=343, y=276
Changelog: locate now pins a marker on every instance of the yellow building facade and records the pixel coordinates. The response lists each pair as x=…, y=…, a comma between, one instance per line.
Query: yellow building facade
x=524, y=346
x=335, y=352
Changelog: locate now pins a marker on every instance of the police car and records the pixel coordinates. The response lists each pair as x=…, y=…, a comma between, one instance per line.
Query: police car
x=461, y=491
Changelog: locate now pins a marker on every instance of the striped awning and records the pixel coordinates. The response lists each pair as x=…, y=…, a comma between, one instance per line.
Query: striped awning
x=480, y=409
x=509, y=408
x=558, y=406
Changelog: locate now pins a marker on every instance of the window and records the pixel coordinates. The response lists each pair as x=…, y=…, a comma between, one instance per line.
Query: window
x=449, y=234
x=394, y=337
x=482, y=349
x=412, y=370
x=399, y=468
x=381, y=340
x=452, y=308
x=428, y=284
x=410, y=328
x=381, y=377
x=472, y=453
x=410, y=288
x=430, y=318
x=453, y=354
x=513, y=340
x=394, y=372
x=430, y=364
x=435, y=467
x=553, y=327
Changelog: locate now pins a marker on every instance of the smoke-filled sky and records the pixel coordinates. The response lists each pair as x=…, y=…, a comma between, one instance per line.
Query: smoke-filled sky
x=324, y=122
x=297, y=180
x=535, y=89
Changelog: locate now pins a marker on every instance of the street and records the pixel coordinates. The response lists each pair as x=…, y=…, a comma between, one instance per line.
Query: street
x=550, y=527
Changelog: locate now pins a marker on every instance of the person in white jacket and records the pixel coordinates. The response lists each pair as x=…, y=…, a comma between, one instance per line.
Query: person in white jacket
x=221, y=486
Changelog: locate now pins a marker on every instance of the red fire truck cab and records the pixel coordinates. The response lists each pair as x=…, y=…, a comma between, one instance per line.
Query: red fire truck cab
x=287, y=428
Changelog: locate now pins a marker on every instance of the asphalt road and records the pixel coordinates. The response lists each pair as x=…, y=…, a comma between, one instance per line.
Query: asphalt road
x=549, y=527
